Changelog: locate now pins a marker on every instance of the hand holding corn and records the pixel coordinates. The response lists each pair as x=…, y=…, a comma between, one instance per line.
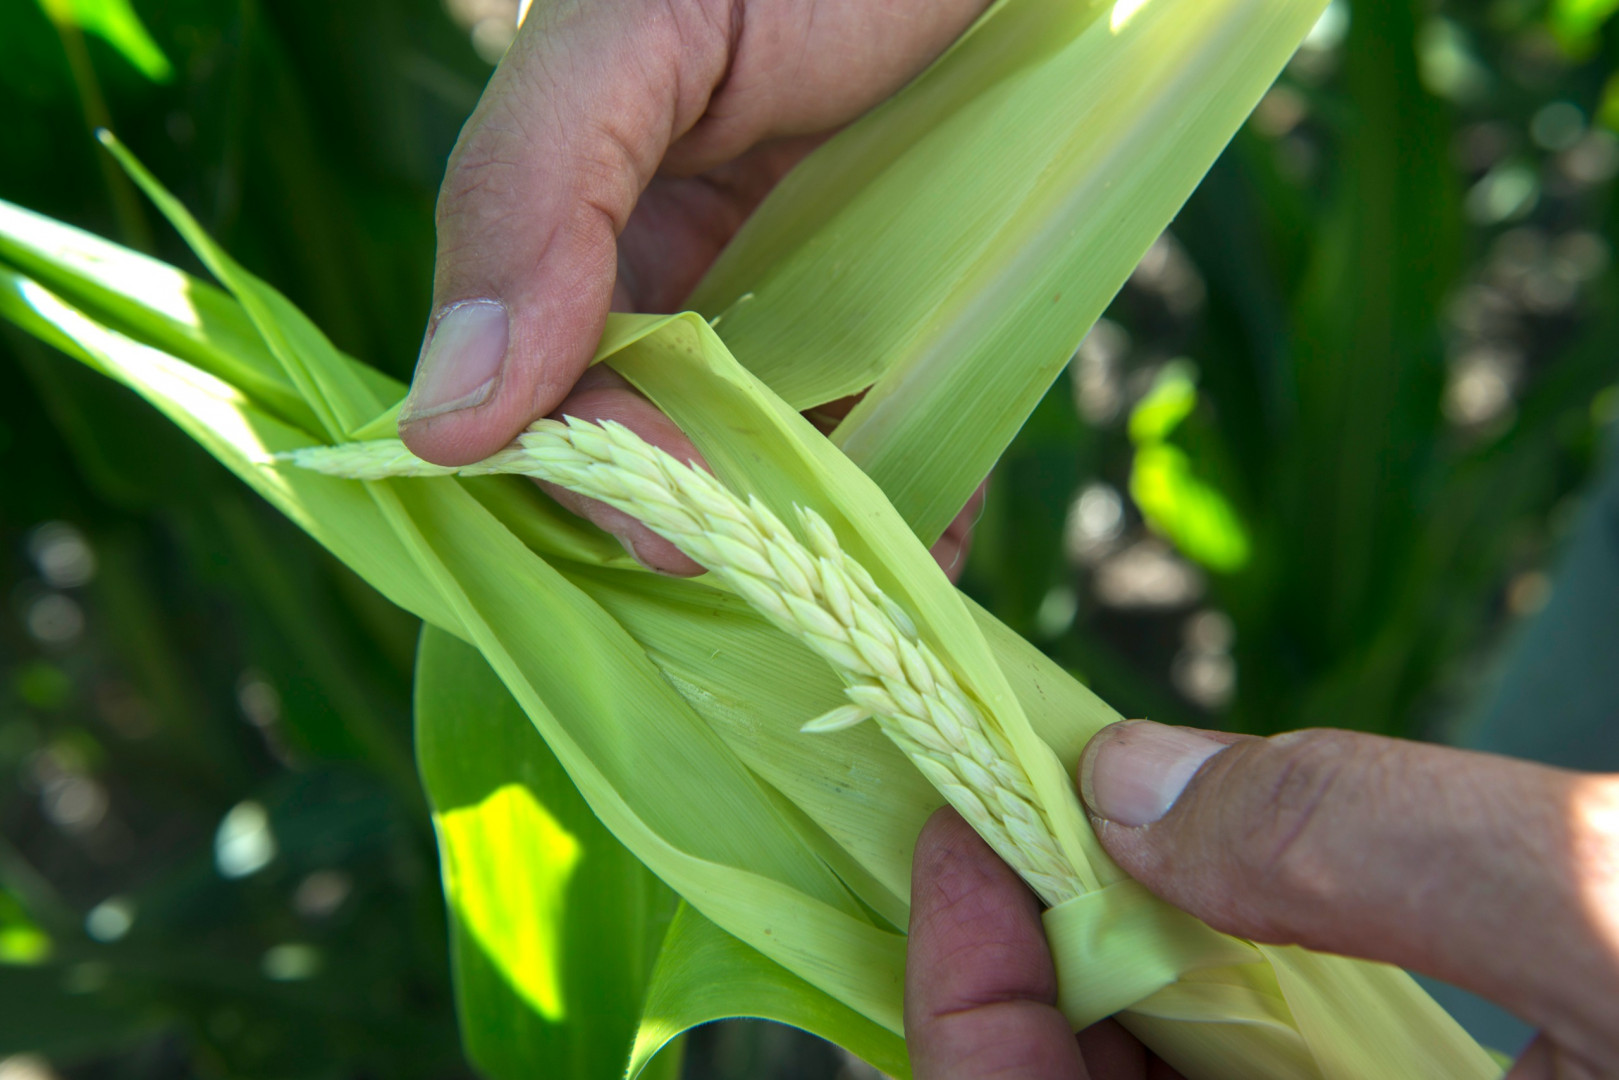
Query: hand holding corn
x=1496, y=875
x=617, y=148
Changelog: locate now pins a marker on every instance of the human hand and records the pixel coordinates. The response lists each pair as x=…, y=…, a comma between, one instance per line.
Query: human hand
x=980, y=984
x=1496, y=875
x=617, y=148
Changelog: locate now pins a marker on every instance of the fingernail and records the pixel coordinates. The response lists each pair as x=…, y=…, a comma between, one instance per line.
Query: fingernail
x=458, y=368
x=1132, y=773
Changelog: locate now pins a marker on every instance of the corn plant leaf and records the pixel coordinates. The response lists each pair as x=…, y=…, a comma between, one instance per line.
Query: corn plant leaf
x=705, y=974
x=1179, y=504
x=954, y=246
x=1331, y=998
x=153, y=303
x=1368, y=375
x=341, y=399
x=433, y=549
x=116, y=23
x=556, y=924
x=1576, y=22
x=1165, y=483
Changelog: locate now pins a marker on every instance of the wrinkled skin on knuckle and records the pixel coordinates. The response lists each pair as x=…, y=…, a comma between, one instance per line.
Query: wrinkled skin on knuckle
x=484, y=168
x=485, y=204
x=798, y=68
x=582, y=124
x=712, y=27
x=681, y=61
x=1281, y=848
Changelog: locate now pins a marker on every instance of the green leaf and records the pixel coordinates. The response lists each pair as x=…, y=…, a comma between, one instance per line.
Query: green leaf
x=115, y=22
x=1365, y=375
x=1170, y=400
x=22, y=942
x=152, y=302
x=704, y=974
x=1576, y=22
x=1164, y=480
x=954, y=245
x=1191, y=512
x=342, y=399
x=555, y=924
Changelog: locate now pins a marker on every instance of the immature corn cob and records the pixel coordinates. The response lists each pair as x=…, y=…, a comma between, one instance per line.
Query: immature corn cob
x=813, y=591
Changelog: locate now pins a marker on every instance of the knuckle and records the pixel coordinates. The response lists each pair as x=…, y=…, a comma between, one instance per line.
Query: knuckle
x=707, y=24
x=1282, y=846
x=610, y=173
x=536, y=132
x=472, y=184
x=485, y=172
x=707, y=30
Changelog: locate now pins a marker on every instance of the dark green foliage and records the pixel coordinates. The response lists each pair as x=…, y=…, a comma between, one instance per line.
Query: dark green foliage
x=221, y=658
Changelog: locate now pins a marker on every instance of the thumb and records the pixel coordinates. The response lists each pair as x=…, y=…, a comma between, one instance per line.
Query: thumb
x=543, y=178
x=1494, y=874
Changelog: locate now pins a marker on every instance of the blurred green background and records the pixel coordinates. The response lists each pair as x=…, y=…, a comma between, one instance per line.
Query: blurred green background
x=1319, y=465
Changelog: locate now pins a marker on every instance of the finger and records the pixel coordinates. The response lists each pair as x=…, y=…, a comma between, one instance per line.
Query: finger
x=1494, y=874
x=801, y=68
x=572, y=127
x=980, y=987
x=1537, y=1062
x=681, y=223
x=602, y=394
x=951, y=549
x=1110, y=1051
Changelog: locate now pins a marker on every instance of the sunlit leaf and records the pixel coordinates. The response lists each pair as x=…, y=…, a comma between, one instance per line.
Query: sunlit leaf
x=954, y=246
x=556, y=926
x=116, y=23
x=22, y=942
x=1575, y=22
x=1170, y=400
x=1166, y=485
